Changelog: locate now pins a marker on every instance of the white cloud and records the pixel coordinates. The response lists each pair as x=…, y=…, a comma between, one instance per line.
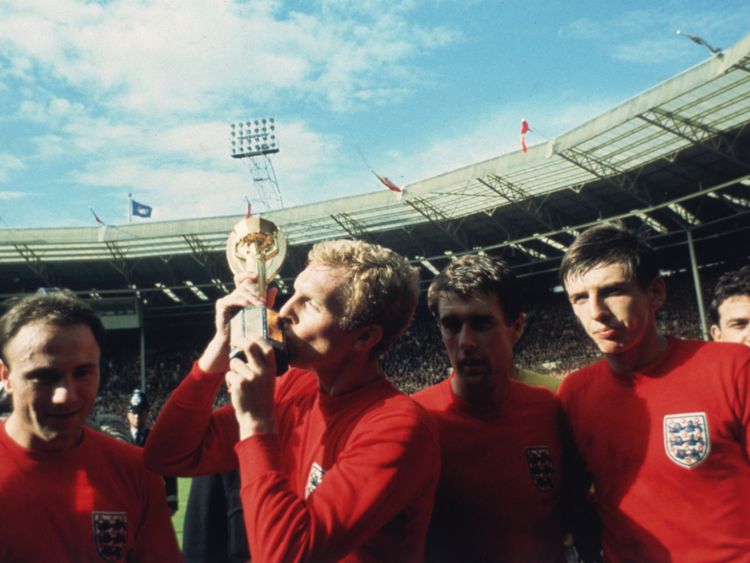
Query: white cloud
x=187, y=170
x=174, y=57
x=12, y=195
x=9, y=164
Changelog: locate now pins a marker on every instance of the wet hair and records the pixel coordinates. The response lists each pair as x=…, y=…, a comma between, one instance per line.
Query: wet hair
x=59, y=308
x=730, y=284
x=605, y=245
x=475, y=275
x=382, y=288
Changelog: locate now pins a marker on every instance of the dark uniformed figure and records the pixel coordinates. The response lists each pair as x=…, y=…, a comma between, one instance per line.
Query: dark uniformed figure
x=214, y=529
x=137, y=418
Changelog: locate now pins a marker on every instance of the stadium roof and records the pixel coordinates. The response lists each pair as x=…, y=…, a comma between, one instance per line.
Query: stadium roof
x=672, y=161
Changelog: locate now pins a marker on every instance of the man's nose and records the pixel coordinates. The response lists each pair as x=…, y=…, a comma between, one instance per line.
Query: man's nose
x=467, y=337
x=64, y=391
x=597, y=308
x=286, y=313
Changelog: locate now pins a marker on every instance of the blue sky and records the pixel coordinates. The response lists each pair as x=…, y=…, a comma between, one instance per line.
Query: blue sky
x=102, y=99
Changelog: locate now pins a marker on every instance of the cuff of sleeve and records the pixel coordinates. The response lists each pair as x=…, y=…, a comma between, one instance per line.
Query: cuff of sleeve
x=258, y=454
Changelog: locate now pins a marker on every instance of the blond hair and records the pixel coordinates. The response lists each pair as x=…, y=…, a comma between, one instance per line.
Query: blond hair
x=382, y=288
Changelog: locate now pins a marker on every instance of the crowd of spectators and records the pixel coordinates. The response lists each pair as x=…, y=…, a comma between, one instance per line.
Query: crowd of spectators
x=553, y=343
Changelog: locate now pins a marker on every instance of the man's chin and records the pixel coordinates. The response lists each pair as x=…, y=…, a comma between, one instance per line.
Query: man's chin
x=472, y=373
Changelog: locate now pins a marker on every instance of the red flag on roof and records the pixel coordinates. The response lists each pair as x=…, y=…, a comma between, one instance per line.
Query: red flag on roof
x=98, y=219
x=524, y=129
x=249, y=210
x=387, y=183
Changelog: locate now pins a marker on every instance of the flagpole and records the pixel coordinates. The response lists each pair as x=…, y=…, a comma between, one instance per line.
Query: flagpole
x=130, y=208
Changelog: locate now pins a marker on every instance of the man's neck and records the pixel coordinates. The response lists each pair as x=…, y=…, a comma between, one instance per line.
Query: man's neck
x=339, y=380
x=639, y=357
x=491, y=391
x=32, y=442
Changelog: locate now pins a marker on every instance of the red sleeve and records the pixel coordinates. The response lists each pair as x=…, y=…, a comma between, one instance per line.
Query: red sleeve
x=391, y=462
x=155, y=539
x=742, y=404
x=189, y=438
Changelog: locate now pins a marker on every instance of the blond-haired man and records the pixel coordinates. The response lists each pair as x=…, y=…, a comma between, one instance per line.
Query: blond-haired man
x=335, y=463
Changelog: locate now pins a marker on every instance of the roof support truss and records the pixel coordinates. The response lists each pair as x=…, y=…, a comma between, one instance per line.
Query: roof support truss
x=34, y=262
x=437, y=218
x=350, y=225
x=606, y=171
x=118, y=262
x=516, y=195
x=693, y=131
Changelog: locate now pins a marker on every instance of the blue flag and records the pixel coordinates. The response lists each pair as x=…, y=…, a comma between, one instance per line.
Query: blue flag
x=141, y=210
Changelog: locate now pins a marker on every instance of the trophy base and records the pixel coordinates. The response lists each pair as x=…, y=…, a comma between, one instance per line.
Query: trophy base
x=261, y=322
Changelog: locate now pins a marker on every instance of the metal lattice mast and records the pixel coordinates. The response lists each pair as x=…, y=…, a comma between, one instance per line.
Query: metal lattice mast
x=255, y=141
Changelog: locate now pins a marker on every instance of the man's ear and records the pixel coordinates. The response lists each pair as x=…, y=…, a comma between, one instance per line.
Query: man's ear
x=715, y=333
x=518, y=327
x=5, y=376
x=368, y=337
x=657, y=291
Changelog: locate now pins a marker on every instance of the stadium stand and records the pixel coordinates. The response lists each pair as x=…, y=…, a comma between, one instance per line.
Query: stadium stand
x=553, y=343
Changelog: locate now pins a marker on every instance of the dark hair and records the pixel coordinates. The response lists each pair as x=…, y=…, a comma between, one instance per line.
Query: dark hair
x=474, y=275
x=730, y=284
x=59, y=308
x=604, y=245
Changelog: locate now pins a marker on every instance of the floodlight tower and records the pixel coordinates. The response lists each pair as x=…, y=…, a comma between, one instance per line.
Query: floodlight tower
x=256, y=141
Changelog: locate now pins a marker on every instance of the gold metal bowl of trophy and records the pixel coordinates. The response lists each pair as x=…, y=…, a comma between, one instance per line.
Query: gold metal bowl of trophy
x=257, y=245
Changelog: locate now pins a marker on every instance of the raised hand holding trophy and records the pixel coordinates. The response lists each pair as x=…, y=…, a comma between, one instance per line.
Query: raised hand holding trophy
x=257, y=245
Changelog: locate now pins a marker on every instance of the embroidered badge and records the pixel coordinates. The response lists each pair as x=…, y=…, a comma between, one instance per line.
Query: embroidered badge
x=686, y=438
x=314, y=478
x=541, y=467
x=110, y=533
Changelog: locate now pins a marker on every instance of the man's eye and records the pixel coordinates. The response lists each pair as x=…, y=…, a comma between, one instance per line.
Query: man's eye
x=83, y=372
x=450, y=325
x=481, y=324
x=43, y=378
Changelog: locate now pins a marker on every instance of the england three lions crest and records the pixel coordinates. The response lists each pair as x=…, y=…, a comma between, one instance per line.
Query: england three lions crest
x=541, y=467
x=314, y=478
x=686, y=438
x=110, y=533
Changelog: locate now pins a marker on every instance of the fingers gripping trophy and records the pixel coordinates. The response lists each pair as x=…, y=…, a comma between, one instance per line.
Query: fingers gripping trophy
x=257, y=245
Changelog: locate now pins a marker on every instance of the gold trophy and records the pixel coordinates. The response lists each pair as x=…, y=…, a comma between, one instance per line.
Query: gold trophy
x=257, y=245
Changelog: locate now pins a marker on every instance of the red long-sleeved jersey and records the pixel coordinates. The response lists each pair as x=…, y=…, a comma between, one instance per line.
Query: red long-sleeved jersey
x=349, y=477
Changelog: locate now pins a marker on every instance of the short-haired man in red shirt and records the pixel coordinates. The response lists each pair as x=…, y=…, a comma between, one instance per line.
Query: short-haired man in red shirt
x=730, y=307
x=67, y=492
x=662, y=424
x=499, y=497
